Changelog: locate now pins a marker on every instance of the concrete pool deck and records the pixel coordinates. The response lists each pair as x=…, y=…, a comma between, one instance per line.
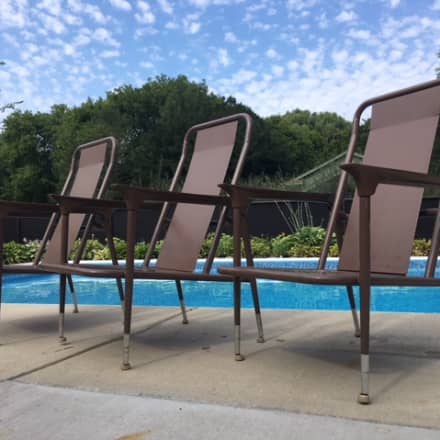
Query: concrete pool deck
x=302, y=382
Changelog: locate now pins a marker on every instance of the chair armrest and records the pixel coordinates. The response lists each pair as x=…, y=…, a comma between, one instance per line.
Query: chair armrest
x=26, y=209
x=86, y=205
x=242, y=195
x=368, y=177
x=136, y=196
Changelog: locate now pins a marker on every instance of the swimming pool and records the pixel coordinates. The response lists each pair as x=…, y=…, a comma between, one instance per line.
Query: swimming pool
x=43, y=289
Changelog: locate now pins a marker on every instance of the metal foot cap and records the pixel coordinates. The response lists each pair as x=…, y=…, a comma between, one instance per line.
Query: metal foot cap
x=185, y=321
x=363, y=399
x=260, y=339
x=125, y=366
x=239, y=357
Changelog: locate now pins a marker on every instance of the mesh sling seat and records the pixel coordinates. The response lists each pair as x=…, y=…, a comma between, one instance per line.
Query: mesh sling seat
x=90, y=171
x=381, y=226
x=185, y=216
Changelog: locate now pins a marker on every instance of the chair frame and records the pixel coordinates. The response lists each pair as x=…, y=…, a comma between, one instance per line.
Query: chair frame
x=27, y=209
x=367, y=178
x=136, y=198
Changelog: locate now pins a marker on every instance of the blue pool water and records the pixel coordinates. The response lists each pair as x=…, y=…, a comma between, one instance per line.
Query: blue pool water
x=43, y=289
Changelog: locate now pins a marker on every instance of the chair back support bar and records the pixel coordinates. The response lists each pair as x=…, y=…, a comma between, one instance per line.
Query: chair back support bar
x=401, y=136
x=89, y=177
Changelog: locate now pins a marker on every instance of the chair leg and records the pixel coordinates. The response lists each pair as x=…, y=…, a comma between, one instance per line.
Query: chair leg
x=113, y=255
x=181, y=301
x=127, y=323
x=237, y=319
x=357, y=331
x=365, y=293
x=129, y=285
x=257, y=309
x=73, y=293
x=62, y=307
x=254, y=288
x=364, y=396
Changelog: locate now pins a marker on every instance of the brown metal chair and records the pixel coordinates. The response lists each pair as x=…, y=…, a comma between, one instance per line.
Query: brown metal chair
x=381, y=226
x=186, y=215
x=89, y=176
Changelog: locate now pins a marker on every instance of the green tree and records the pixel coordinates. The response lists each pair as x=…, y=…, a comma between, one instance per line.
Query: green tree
x=26, y=146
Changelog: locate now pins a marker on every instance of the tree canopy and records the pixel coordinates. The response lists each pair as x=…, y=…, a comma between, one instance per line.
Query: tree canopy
x=149, y=123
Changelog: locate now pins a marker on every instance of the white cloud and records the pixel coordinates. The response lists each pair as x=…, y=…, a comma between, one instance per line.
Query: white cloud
x=323, y=21
x=223, y=57
x=191, y=24
x=145, y=15
x=346, y=16
x=83, y=38
x=104, y=36
x=121, y=4
x=360, y=34
x=69, y=49
x=394, y=3
x=436, y=5
x=95, y=13
x=109, y=54
x=206, y=3
x=230, y=37
x=171, y=25
x=340, y=56
x=272, y=54
x=146, y=64
x=91, y=10
x=166, y=6
x=72, y=20
x=300, y=5
x=52, y=24
x=52, y=6
x=13, y=14
x=277, y=70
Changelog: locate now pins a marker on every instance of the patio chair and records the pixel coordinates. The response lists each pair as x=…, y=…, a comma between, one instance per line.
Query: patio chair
x=377, y=243
x=186, y=216
x=89, y=175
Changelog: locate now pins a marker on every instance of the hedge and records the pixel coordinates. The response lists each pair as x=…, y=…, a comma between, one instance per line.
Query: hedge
x=306, y=242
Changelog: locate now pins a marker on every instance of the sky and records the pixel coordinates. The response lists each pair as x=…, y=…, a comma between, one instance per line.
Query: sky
x=272, y=55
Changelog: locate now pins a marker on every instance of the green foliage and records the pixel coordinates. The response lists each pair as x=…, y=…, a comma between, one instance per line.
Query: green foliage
x=140, y=250
x=261, y=247
x=149, y=123
x=14, y=253
x=282, y=244
x=305, y=243
x=225, y=246
x=93, y=251
x=421, y=247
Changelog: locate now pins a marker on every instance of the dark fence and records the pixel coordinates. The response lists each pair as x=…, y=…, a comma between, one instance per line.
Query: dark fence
x=266, y=219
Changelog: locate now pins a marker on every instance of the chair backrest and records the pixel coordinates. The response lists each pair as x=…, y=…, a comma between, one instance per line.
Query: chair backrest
x=89, y=176
x=402, y=133
x=214, y=143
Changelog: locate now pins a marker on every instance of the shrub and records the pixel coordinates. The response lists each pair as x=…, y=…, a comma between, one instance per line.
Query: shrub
x=206, y=245
x=225, y=246
x=261, y=247
x=14, y=252
x=92, y=251
x=140, y=250
x=282, y=244
x=421, y=247
x=309, y=236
